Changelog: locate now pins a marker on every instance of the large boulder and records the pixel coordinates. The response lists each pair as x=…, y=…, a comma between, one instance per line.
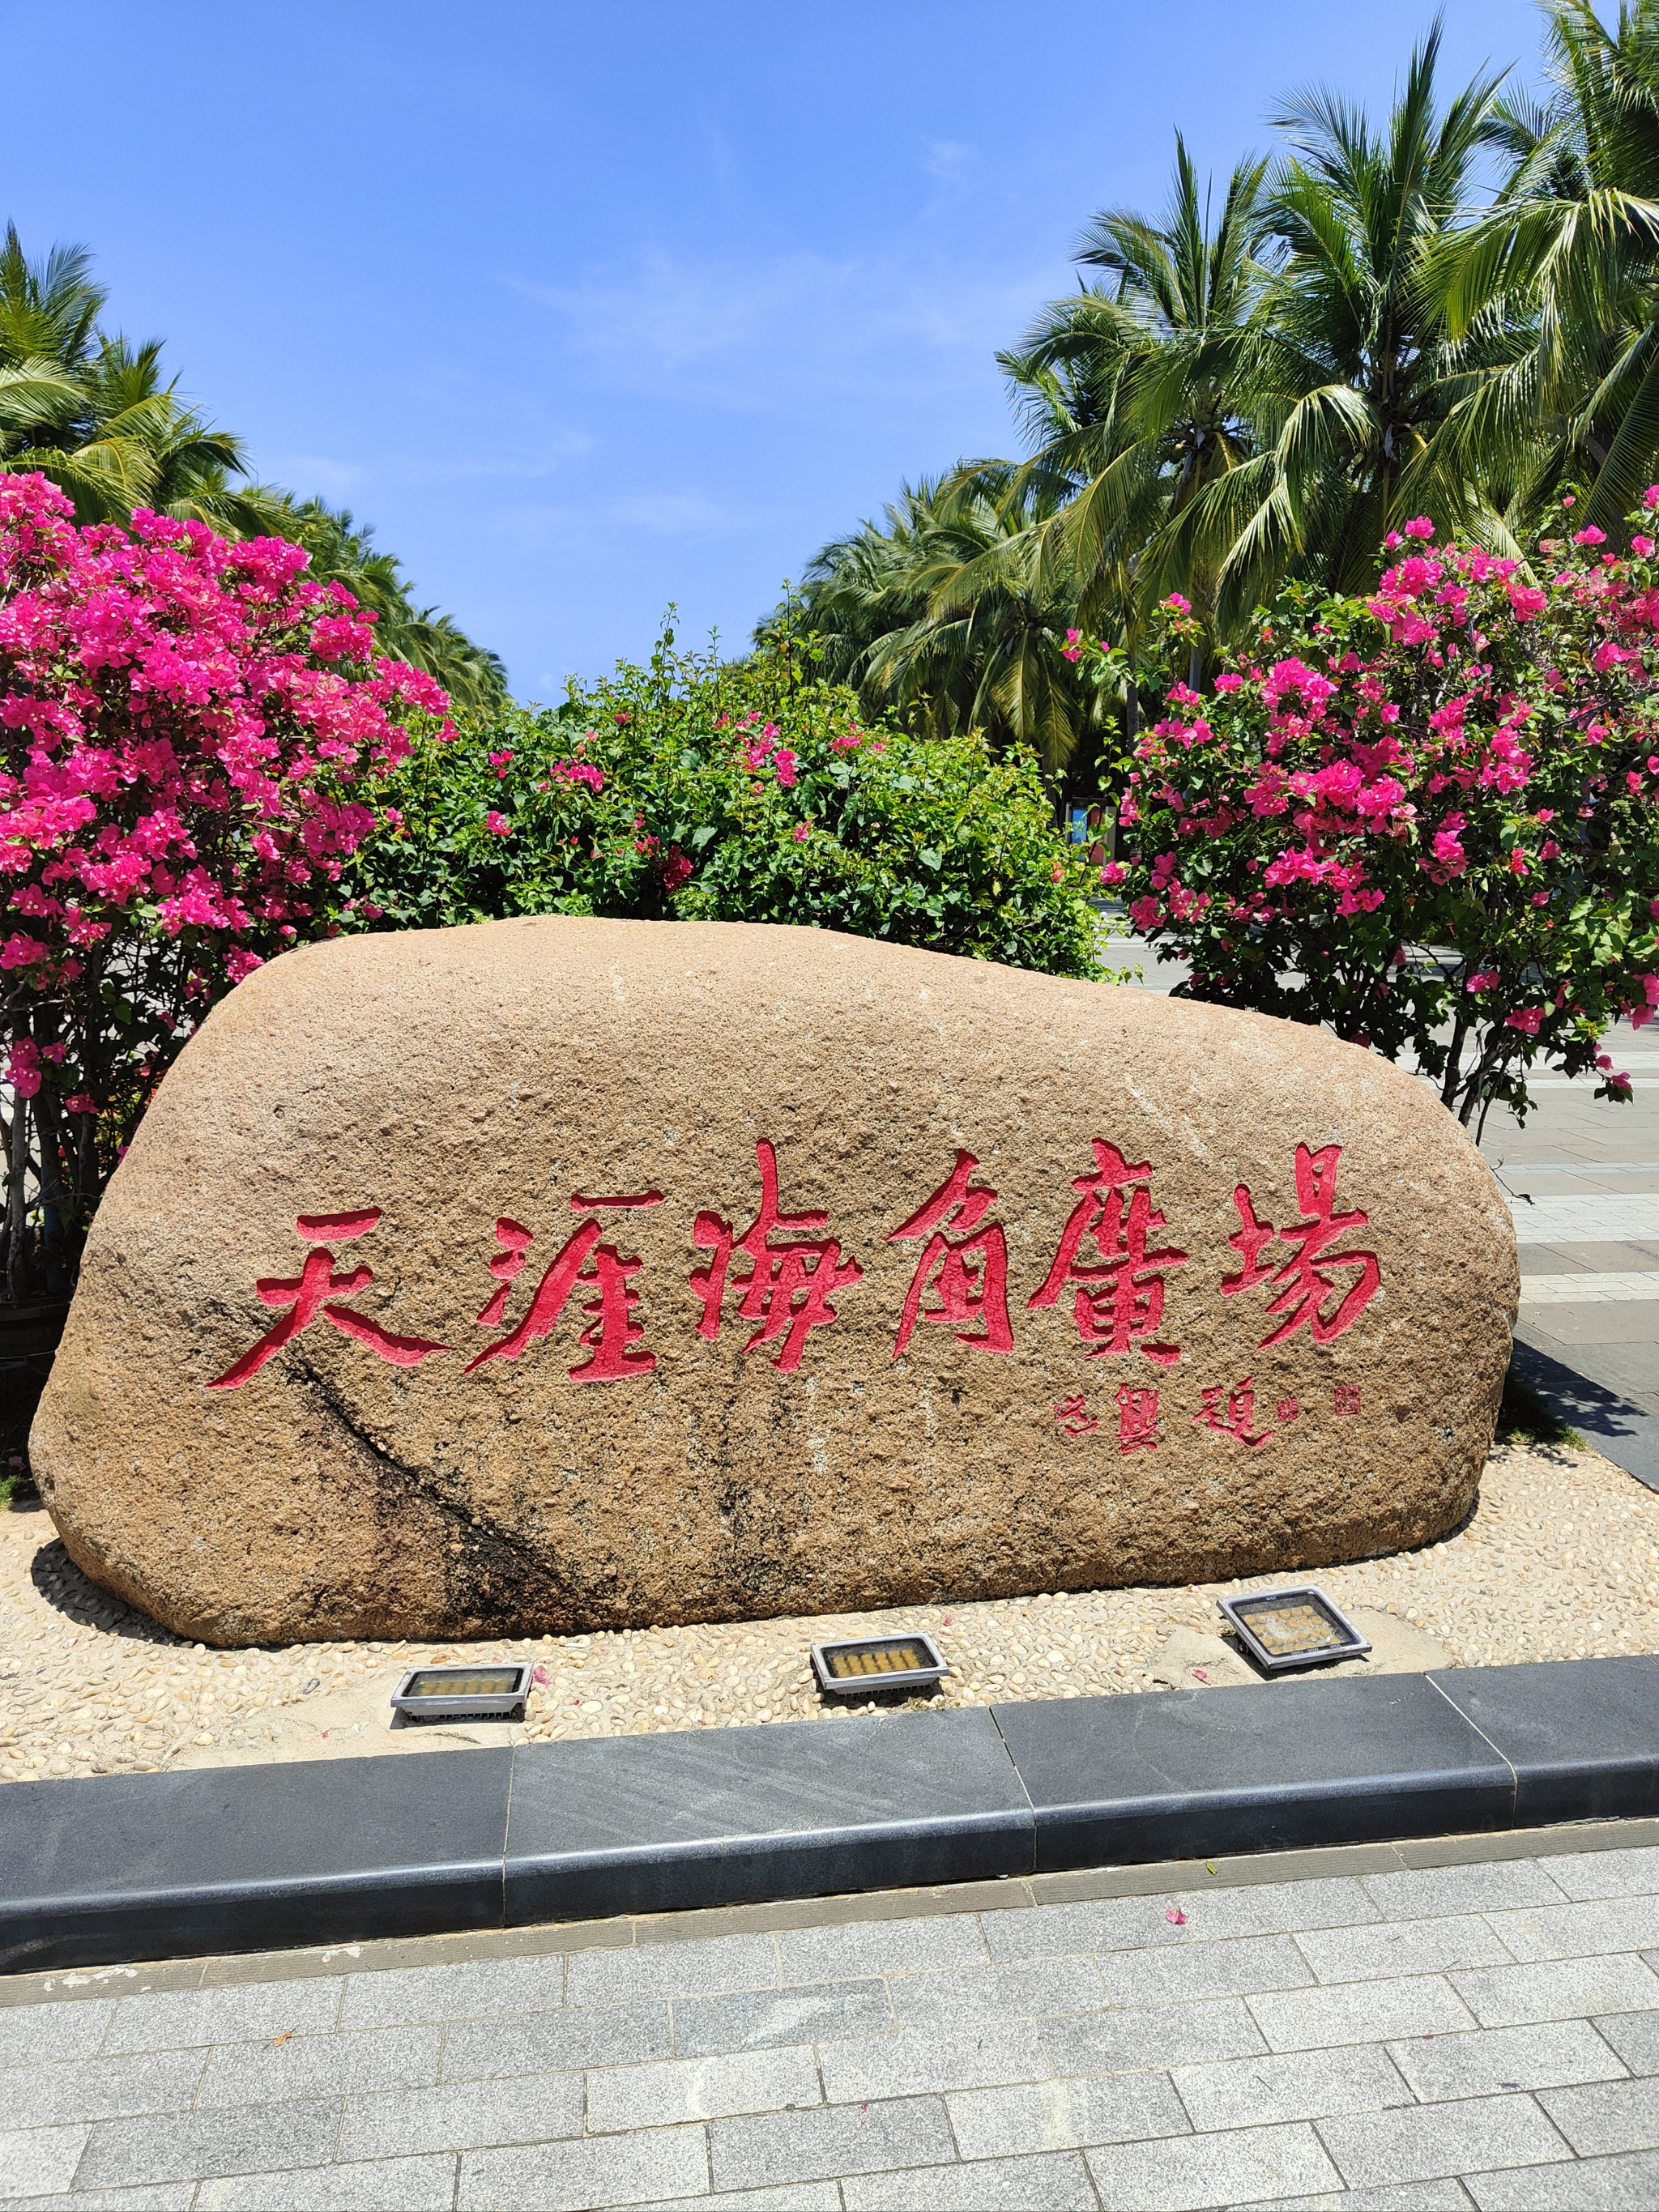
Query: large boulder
x=557, y=1275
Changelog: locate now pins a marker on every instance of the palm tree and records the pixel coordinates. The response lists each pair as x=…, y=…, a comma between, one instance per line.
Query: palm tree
x=956, y=615
x=1569, y=258
x=94, y=413
x=1352, y=369
x=1132, y=391
x=342, y=550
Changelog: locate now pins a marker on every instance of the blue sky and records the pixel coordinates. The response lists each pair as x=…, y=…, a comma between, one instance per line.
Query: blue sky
x=587, y=309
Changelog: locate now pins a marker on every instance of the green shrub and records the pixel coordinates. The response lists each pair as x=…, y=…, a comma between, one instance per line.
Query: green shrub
x=745, y=791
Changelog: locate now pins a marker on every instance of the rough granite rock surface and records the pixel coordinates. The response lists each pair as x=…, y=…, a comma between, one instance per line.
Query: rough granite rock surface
x=421, y=1089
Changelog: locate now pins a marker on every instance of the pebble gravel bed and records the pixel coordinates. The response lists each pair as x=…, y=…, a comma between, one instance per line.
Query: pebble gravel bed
x=1560, y=1560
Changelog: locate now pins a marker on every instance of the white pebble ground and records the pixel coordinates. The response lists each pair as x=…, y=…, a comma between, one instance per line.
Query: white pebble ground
x=1560, y=1561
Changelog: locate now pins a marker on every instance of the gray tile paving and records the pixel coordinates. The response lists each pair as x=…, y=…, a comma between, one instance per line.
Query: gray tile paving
x=1236, y=1966
x=674, y=1969
x=793, y=2197
x=1634, y=2038
x=1607, y=1873
x=1578, y=1931
x=1363, y=2040
x=550, y=2042
x=1591, y=2185
x=1057, y=2182
x=484, y=1987
x=1368, y=2012
x=382, y=2185
x=270, y=2072
x=63, y=2091
x=1311, y=2085
x=977, y=2054
x=1400, y=1947
x=1490, y=2060
x=1429, y=2142
x=171, y=2019
x=620, y=2097
x=39, y=2160
x=749, y=2020
x=178, y=2146
x=1395, y=2196
x=461, y=2116
x=834, y=2141
x=1275, y=1908
x=1064, y=2115
x=1510, y=1997
x=151, y=2196
x=883, y=1947
x=1190, y=2172
x=574, y=2176
x=32, y=2034
x=1053, y=1931
x=1174, y=2035
x=1030, y=1986
x=1431, y=1893
x=1606, y=2116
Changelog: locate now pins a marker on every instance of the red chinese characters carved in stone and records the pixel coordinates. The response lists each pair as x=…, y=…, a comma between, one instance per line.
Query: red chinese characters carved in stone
x=1137, y=1419
x=1238, y=1419
x=1119, y=1304
x=315, y=1294
x=1304, y=1289
x=1074, y=1415
x=794, y=1271
x=965, y=1263
x=610, y=1333
x=1345, y=1398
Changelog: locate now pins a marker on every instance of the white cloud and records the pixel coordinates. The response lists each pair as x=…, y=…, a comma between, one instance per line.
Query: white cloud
x=676, y=514
x=780, y=334
x=686, y=513
x=313, y=472
x=947, y=159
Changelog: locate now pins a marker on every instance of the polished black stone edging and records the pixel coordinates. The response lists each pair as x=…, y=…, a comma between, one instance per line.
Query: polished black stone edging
x=267, y=1857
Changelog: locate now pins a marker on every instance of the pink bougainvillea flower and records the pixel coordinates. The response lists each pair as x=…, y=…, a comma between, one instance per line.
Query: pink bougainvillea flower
x=189, y=727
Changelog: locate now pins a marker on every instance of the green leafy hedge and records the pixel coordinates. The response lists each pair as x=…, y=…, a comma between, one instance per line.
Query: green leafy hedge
x=745, y=791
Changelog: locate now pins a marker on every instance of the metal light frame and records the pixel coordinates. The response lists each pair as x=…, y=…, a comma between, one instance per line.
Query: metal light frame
x=861, y=1685
x=458, y=1704
x=1236, y=1611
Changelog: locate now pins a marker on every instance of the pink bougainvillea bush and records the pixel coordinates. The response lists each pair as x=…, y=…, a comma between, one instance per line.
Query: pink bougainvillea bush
x=1426, y=816
x=191, y=734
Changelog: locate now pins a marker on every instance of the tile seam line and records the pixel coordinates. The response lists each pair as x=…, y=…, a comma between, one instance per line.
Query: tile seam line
x=1030, y=1807
x=1497, y=1749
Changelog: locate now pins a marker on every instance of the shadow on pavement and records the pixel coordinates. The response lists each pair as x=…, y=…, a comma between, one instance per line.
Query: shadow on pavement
x=1626, y=1431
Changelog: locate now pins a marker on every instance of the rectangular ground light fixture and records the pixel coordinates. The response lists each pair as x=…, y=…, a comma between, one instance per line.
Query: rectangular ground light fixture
x=1288, y=1628
x=852, y=1670
x=462, y=1692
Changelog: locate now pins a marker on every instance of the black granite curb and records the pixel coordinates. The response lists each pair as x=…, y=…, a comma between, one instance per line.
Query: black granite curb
x=270, y=1857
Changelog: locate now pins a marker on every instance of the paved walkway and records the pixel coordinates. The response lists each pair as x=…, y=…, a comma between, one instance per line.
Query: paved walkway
x=1426, y=2025
x=1583, y=1179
